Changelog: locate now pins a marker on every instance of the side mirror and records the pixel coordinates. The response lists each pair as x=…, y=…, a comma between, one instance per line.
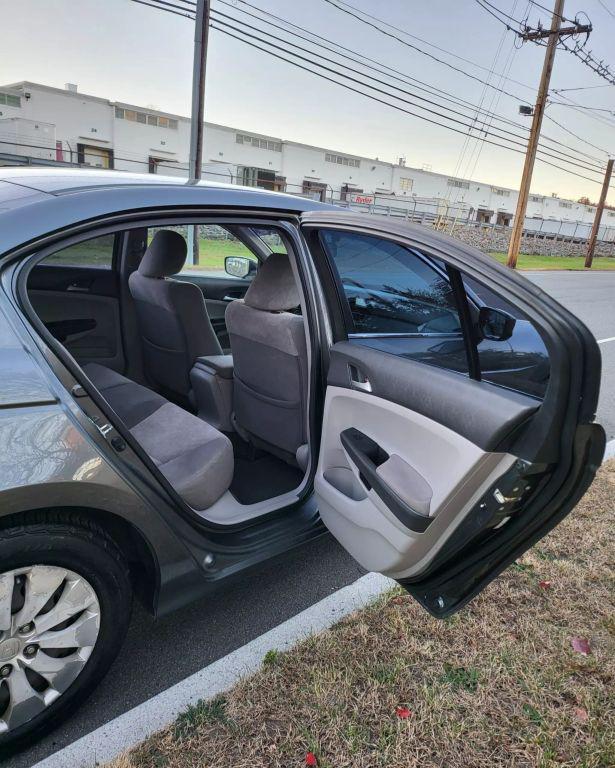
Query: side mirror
x=239, y=266
x=495, y=324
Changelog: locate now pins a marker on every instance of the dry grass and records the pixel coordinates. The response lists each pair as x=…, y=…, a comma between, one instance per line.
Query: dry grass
x=497, y=685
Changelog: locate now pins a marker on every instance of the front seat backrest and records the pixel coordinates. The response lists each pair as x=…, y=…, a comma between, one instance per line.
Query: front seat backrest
x=270, y=359
x=172, y=316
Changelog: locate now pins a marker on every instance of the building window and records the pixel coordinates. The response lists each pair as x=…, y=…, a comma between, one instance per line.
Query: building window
x=272, y=146
x=535, y=198
x=97, y=157
x=10, y=100
x=458, y=183
x=405, y=183
x=501, y=192
x=565, y=205
x=342, y=160
x=145, y=119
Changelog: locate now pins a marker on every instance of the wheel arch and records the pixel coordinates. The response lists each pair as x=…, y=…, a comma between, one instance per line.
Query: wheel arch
x=132, y=544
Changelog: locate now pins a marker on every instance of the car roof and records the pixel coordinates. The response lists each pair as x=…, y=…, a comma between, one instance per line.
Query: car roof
x=38, y=201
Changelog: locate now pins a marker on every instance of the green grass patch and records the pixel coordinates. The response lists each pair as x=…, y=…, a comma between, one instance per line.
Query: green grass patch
x=533, y=261
x=460, y=678
x=201, y=713
x=271, y=658
x=532, y=714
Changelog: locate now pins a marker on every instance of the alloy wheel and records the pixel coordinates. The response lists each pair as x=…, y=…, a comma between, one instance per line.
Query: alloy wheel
x=49, y=625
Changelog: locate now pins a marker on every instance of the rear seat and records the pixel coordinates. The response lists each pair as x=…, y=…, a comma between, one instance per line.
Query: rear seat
x=194, y=457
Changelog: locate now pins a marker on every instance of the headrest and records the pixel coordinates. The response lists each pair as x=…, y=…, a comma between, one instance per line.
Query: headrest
x=165, y=256
x=274, y=288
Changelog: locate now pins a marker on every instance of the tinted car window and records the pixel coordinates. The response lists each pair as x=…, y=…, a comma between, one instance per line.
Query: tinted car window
x=400, y=301
x=390, y=289
x=97, y=252
x=520, y=362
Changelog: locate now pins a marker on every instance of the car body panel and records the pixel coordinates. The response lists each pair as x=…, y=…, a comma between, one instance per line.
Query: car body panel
x=72, y=197
x=116, y=480
x=389, y=441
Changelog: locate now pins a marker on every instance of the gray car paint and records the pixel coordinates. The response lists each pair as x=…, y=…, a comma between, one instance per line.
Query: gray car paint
x=51, y=454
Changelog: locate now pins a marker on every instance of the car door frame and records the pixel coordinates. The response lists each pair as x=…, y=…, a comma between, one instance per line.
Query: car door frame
x=563, y=433
x=277, y=520
x=101, y=284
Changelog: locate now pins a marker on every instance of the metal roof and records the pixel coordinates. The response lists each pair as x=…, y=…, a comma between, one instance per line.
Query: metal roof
x=38, y=201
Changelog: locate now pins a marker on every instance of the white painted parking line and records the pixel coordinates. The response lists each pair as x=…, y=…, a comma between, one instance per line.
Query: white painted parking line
x=137, y=724
x=134, y=726
x=604, y=341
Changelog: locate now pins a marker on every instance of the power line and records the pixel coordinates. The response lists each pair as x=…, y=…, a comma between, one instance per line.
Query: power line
x=586, y=57
x=502, y=133
x=422, y=52
x=395, y=106
x=563, y=127
x=355, y=14
x=433, y=89
x=551, y=12
x=185, y=13
x=500, y=16
x=582, y=110
x=606, y=8
x=581, y=88
x=364, y=60
x=385, y=93
x=424, y=42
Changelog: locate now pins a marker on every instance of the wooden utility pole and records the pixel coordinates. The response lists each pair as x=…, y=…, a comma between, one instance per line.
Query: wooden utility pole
x=201, y=35
x=591, y=246
x=532, y=145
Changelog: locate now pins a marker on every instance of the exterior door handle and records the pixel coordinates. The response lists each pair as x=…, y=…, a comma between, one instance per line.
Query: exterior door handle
x=358, y=380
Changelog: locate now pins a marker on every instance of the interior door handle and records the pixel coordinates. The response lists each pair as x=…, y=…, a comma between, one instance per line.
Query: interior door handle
x=358, y=380
x=367, y=456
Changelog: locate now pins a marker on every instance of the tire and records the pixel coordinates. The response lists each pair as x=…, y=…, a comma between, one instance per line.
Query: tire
x=91, y=559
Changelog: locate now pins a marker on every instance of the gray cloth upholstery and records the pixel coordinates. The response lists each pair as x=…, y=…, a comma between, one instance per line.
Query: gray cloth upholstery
x=173, y=321
x=221, y=365
x=196, y=459
x=274, y=288
x=270, y=390
x=410, y=486
x=165, y=256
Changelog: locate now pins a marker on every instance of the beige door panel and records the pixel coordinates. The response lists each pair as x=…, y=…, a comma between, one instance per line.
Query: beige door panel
x=457, y=471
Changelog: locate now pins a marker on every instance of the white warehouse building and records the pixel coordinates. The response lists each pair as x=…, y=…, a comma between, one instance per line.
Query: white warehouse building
x=40, y=124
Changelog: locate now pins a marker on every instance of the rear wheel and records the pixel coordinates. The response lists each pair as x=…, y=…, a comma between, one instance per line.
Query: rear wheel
x=65, y=599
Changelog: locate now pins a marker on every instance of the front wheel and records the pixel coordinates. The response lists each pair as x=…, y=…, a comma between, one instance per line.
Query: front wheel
x=65, y=600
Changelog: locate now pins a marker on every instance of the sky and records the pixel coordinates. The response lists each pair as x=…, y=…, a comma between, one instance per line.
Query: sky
x=123, y=51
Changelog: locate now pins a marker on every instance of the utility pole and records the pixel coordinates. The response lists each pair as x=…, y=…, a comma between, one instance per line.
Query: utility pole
x=596, y=226
x=201, y=36
x=532, y=145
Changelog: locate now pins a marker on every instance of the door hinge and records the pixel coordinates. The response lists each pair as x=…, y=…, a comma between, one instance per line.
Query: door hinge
x=105, y=429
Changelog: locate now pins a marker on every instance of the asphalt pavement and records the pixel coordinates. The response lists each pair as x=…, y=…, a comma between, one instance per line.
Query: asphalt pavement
x=591, y=296
x=157, y=654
